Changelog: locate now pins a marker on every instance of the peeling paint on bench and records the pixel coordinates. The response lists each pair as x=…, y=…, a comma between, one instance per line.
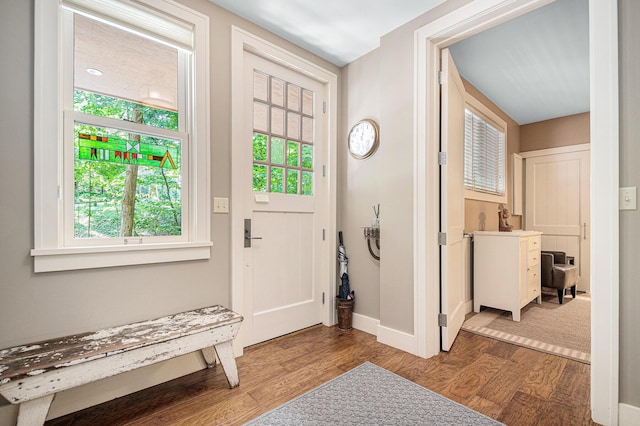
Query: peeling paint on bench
x=41, y=369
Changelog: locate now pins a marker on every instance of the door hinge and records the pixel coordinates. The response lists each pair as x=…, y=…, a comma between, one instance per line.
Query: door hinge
x=441, y=78
x=323, y=233
x=59, y=191
x=442, y=158
x=442, y=320
x=442, y=238
x=324, y=107
x=323, y=297
x=324, y=170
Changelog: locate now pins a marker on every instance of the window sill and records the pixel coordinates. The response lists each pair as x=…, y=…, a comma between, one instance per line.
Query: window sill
x=482, y=196
x=67, y=259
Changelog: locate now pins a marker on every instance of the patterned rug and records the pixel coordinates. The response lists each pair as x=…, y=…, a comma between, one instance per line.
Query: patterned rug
x=371, y=395
x=563, y=330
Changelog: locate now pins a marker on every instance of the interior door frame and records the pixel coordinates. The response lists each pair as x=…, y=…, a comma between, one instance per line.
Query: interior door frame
x=454, y=26
x=241, y=41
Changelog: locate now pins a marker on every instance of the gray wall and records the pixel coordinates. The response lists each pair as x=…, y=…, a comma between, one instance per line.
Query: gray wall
x=46, y=305
x=359, y=182
x=629, y=60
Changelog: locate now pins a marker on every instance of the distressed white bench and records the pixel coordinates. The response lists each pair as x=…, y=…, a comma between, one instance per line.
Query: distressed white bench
x=31, y=375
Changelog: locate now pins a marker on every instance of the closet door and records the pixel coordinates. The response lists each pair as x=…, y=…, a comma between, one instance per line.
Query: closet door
x=557, y=204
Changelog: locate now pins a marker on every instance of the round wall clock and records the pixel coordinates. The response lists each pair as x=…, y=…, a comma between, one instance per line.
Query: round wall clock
x=364, y=139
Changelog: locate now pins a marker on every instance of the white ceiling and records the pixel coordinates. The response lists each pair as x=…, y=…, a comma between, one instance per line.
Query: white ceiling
x=535, y=67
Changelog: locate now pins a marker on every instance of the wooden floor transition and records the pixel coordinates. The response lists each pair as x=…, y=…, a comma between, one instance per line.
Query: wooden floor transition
x=514, y=385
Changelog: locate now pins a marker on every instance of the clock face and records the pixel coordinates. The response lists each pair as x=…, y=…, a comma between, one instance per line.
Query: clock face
x=363, y=139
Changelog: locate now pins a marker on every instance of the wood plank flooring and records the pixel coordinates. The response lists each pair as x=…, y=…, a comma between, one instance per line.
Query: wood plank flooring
x=511, y=384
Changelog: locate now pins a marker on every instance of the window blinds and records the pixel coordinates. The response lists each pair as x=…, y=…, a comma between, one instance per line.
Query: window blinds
x=139, y=20
x=484, y=155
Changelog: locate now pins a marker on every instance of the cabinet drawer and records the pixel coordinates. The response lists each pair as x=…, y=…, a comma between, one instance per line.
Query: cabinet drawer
x=534, y=242
x=533, y=275
x=533, y=258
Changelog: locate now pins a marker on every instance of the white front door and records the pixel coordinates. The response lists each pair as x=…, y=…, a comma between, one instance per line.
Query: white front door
x=282, y=164
x=557, y=203
x=452, y=260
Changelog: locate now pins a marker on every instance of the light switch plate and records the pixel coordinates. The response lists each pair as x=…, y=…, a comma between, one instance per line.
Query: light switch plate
x=628, y=198
x=220, y=205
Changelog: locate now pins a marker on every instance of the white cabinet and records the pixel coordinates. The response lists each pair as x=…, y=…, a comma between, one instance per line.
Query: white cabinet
x=506, y=270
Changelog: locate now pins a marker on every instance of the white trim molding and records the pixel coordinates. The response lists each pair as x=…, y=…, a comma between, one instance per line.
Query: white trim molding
x=365, y=323
x=555, y=151
x=397, y=339
x=629, y=415
x=463, y=22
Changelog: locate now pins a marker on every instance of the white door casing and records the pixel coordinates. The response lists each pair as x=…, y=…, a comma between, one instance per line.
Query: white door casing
x=452, y=261
x=557, y=203
x=465, y=21
x=310, y=223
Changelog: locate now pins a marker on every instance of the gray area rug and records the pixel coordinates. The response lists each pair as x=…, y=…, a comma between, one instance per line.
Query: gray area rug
x=371, y=395
x=563, y=330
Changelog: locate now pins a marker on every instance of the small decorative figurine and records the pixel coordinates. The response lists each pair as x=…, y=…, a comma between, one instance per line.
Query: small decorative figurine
x=503, y=215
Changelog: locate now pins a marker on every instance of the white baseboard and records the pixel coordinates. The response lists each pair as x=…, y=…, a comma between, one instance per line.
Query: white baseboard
x=366, y=324
x=398, y=339
x=468, y=306
x=628, y=415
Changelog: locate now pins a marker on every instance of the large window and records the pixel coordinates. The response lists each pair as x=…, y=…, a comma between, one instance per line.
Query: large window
x=122, y=173
x=484, y=154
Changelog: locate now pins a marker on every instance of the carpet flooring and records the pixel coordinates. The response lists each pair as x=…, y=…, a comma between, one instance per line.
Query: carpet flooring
x=371, y=395
x=559, y=329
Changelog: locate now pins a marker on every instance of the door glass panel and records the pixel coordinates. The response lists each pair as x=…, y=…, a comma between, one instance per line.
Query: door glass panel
x=259, y=147
x=277, y=176
x=277, y=121
x=259, y=178
x=307, y=129
x=293, y=97
x=292, y=181
x=307, y=102
x=307, y=156
x=293, y=125
x=277, y=151
x=293, y=149
x=307, y=183
x=260, y=86
x=277, y=92
x=260, y=114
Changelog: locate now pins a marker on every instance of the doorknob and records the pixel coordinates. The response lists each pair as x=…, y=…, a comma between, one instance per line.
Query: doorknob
x=247, y=233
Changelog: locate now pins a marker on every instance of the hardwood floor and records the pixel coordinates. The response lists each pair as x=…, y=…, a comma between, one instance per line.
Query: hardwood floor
x=514, y=385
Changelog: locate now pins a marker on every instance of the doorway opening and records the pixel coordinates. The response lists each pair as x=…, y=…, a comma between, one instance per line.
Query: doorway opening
x=463, y=22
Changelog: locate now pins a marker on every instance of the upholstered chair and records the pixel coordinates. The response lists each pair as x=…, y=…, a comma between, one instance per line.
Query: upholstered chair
x=557, y=273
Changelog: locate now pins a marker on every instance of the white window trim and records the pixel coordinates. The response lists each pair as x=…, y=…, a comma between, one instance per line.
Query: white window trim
x=500, y=124
x=50, y=252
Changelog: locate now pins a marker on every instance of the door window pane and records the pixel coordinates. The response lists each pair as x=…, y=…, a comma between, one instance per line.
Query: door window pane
x=292, y=181
x=259, y=147
x=277, y=151
x=277, y=177
x=259, y=178
x=293, y=150
x=307, y=156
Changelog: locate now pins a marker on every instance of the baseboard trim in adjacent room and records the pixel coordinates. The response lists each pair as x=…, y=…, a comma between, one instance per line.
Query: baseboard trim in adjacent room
x=628, y=415
x=397, y=339
x=366, y=324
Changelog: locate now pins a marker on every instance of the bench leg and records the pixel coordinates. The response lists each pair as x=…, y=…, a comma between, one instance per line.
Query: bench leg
x=34, y=412
x=228, y=362
x=209, y=355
